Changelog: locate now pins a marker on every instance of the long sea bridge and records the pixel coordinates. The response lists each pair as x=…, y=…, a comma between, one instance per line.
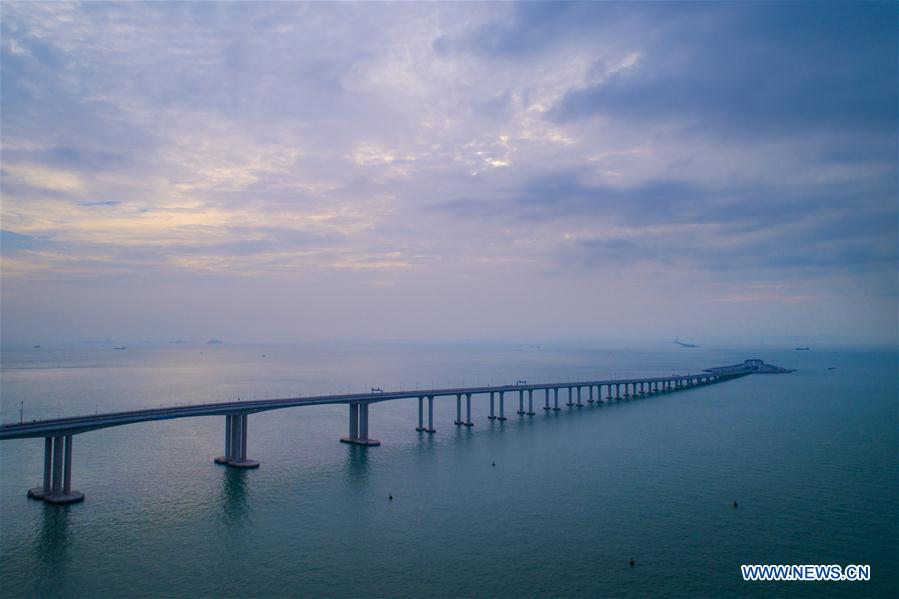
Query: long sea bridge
x=58, y=433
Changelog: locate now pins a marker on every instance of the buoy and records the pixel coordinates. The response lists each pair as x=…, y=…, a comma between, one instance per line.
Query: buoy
x=390, y=497
x=632, y=562
x=493, y=464
x=735, y=503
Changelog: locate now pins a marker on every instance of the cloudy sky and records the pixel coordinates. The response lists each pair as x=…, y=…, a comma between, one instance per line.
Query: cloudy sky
x=288, y=172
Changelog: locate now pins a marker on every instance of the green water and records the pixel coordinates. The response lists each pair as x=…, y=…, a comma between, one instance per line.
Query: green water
x=811, y=458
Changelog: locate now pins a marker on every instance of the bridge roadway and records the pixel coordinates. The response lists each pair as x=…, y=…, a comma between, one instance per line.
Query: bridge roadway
x=58, y=432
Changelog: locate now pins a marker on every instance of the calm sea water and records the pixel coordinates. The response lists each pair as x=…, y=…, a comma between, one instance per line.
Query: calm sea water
x=811, y=458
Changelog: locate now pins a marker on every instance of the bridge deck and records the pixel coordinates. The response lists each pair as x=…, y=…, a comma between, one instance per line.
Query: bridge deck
x=80, y=424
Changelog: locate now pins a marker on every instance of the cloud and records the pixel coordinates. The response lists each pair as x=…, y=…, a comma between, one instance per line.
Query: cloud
x=448, y=145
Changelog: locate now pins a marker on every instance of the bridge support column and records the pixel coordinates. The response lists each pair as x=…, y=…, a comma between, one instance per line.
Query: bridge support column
x=240, y=455
x=618, y=392
x=570, y=403
x=530, y=402
x=546, y=403
x=609, y=391
x=521, y=411
x=353, y=430
x=458, y=421
x=431, y=428
x=61, y=492
x=224, y=459
x=364, y=439
x=556, y=407
x=468, y=421
x=502, y=405
x=421, y=423
x=579, y=403
x=44, y=489
x=590, y=394
x=492, y=415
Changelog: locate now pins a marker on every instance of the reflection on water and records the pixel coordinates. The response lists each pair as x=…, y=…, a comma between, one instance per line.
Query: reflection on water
x=234, y=496
x=51, y=548
x=356, y=464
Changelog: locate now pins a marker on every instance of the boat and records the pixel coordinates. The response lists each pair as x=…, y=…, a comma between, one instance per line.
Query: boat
x=120, y=347
x=683, y=344
x=803, y=349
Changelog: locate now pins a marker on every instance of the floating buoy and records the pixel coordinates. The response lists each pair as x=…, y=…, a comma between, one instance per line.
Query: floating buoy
x=632, y=563
x=493, y=463
x=735, y=503
x=390, y=497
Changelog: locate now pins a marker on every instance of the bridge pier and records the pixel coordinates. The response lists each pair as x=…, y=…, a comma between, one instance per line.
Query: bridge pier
x=458, y=421
x=579, y=403
x=59, y=491
x=421, y=425
x=556, y=407
x=468, y=421
x=44, y=489
x=570, y=403
x=530, y=402
x=502, y=409
x=358, y=426
x=238, y=453
x=546, y=400
x=430, y=428
x=521, y=411
x=590, y=394
x=492, y=415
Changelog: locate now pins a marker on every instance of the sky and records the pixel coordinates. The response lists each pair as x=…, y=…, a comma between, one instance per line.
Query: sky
x=291, y=172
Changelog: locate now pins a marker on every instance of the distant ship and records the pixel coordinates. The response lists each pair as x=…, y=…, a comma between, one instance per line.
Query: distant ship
x=803, y=349
x=38, y=346
x=120, y=347
x=682, y=344
x=214, y=342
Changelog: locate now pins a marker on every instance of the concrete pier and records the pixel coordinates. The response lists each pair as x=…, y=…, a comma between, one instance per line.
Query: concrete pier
x=57, y=487
x=430, y=428
x=468, y=421
x=492, y=415
x=421, y=423
x=239, y=430
x=521, y=411
x=569, y=403
x=44, y=489
x=546, y=404
x=579, y=402
x=556, y=407
x=458, y=421
x=502, y=406
x=358, y=426
x=531, y=402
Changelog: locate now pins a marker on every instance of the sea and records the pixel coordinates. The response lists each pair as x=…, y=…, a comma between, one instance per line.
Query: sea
x=551, y=505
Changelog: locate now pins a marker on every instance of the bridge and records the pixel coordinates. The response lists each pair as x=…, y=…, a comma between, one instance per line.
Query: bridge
x=58, y=433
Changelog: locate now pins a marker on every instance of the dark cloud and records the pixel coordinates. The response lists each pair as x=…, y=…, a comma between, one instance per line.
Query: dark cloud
x=767, y=69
